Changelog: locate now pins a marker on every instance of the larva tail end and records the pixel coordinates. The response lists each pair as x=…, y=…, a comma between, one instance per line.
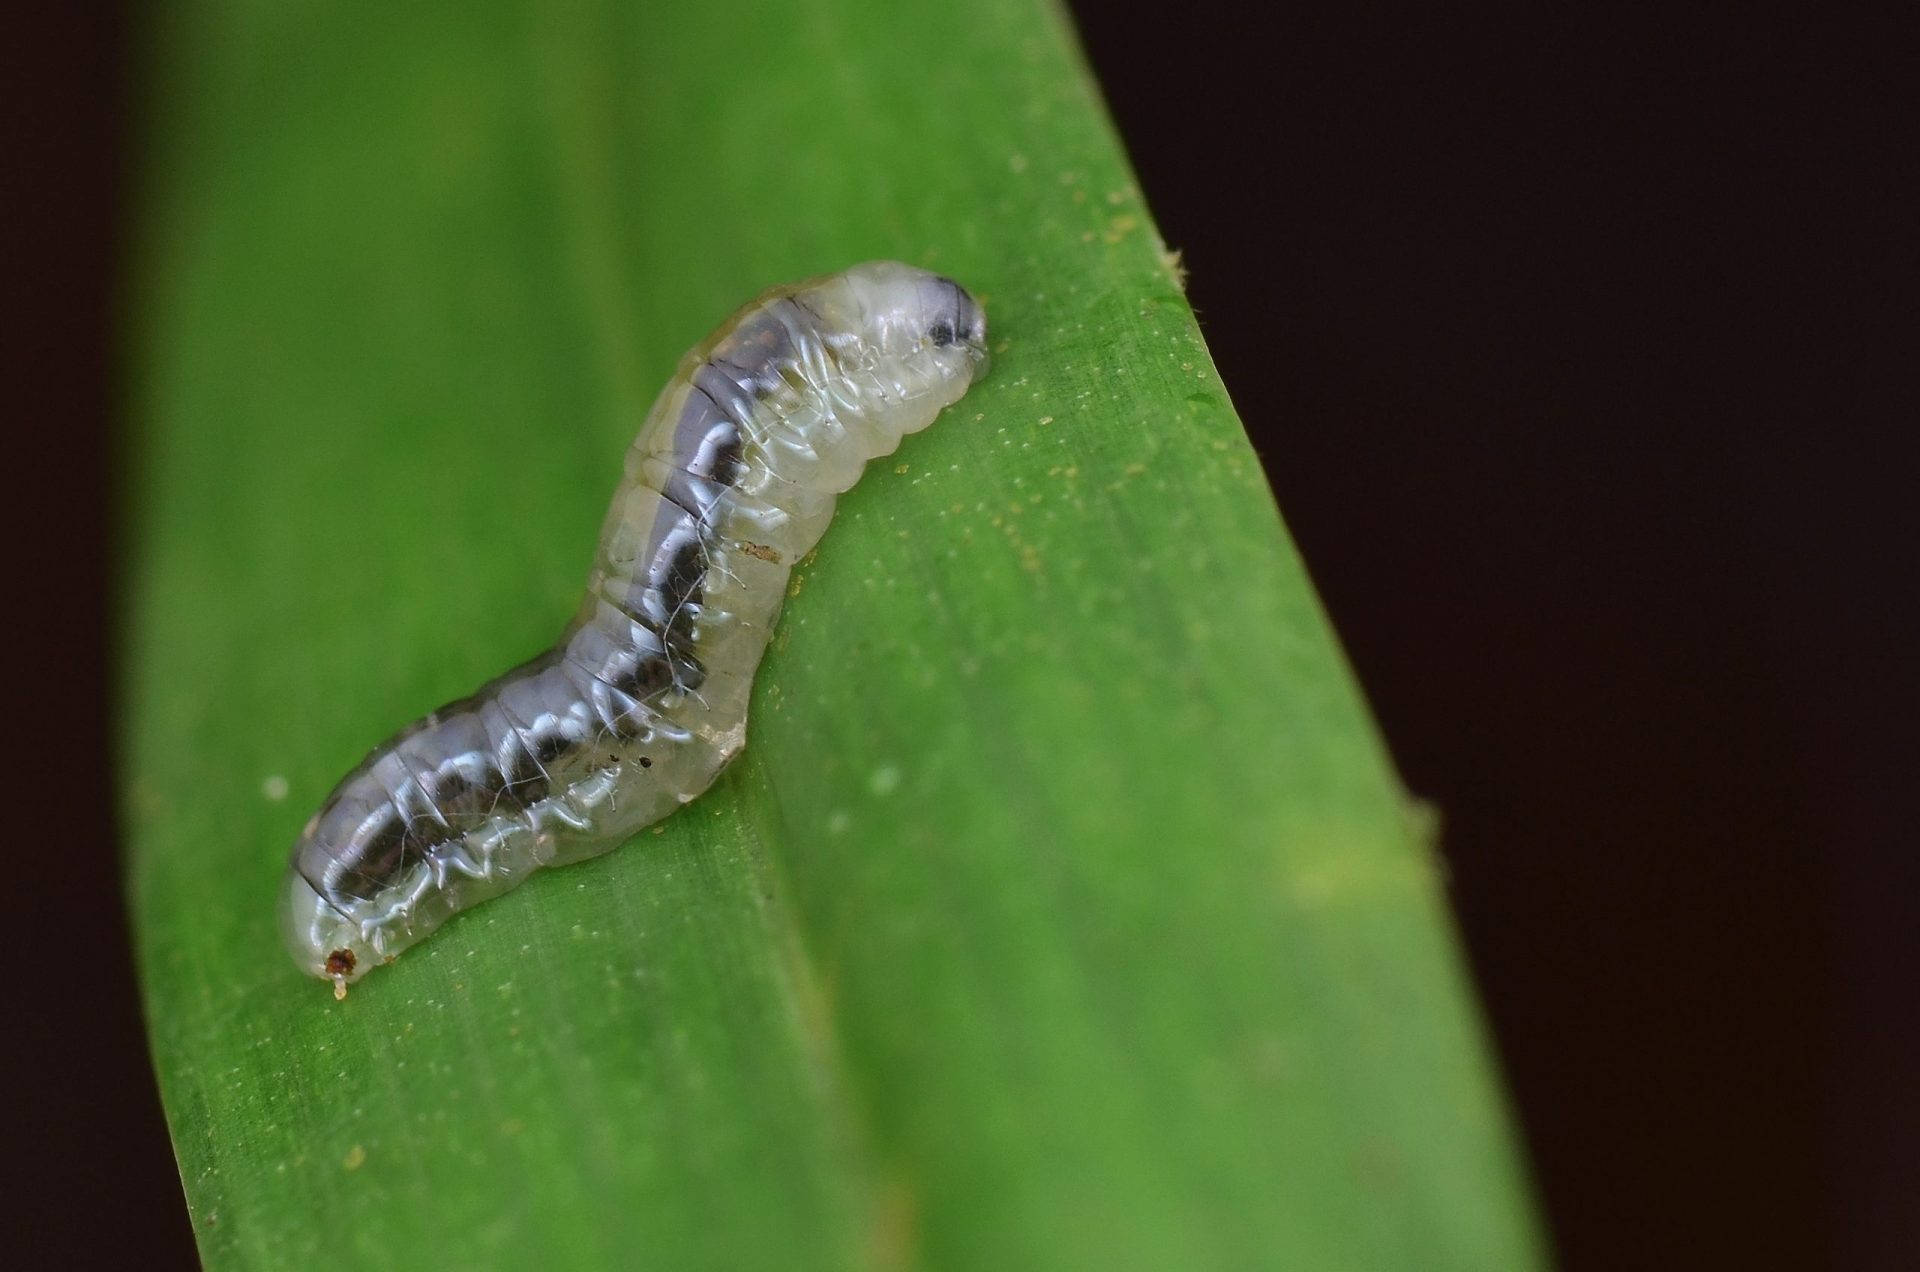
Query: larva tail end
x=323, y=942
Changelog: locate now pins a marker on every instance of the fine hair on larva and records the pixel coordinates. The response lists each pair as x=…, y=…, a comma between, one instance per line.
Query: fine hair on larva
x=643, y=700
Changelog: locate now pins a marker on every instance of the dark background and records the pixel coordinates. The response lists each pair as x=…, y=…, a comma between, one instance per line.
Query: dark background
x=1557, y=337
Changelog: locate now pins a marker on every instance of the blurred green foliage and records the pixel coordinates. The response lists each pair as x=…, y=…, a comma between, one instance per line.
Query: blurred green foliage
x=1063, y=912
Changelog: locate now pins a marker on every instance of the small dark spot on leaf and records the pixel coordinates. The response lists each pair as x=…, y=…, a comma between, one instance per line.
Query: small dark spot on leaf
x=645, y=762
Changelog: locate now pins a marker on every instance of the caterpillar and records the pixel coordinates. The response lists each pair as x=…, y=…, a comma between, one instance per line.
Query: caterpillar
x=642, y=702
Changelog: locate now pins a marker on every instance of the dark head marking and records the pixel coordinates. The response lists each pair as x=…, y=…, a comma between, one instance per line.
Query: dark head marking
x=954, y=316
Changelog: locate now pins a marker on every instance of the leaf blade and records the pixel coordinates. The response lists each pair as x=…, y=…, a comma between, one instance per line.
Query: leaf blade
x=1062, y=910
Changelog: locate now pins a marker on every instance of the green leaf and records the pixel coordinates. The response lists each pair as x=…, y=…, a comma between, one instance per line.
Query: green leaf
x=1063, y=912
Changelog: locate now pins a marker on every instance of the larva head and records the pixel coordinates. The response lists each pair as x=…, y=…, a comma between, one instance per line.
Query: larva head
x=917, y=333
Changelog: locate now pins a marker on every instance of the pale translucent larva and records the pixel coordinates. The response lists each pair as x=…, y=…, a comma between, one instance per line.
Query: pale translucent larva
x=643, y=701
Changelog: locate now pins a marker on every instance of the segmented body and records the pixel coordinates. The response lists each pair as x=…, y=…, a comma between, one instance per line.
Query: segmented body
x=643, y=700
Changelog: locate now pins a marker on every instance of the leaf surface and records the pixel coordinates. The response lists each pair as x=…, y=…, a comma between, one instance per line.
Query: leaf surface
x=1063, y=912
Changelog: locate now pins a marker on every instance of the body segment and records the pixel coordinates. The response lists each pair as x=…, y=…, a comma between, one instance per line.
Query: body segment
x=643, y=700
